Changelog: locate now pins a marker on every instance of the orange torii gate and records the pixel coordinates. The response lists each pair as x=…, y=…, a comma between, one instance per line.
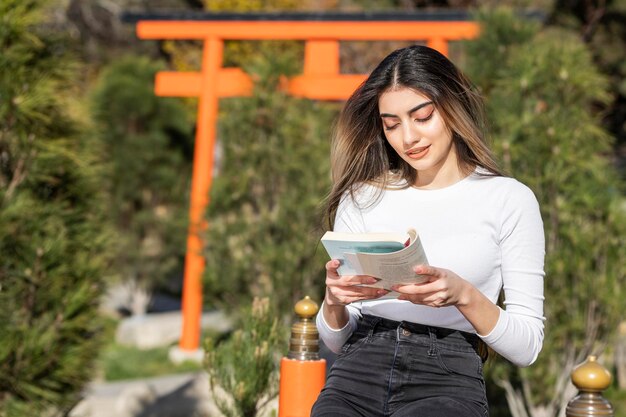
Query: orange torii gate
x=321, y=80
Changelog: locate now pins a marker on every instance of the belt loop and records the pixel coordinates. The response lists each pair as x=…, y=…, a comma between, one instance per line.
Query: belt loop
x=432, y=351
x=373, y=324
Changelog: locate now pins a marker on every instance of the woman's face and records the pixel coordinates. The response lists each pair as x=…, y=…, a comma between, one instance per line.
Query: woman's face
x=418, y=133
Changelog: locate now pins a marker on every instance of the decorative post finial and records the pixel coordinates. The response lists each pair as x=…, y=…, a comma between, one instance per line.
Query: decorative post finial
x=304, y=341
x=591, y=379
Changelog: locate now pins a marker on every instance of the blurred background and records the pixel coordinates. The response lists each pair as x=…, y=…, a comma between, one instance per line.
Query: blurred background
x=95, y=172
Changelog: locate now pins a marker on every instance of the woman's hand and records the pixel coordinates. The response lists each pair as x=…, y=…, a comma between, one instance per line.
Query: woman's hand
x=343, y=290
x=442, y=288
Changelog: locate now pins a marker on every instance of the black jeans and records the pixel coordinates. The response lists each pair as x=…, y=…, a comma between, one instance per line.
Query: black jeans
x=397, y=369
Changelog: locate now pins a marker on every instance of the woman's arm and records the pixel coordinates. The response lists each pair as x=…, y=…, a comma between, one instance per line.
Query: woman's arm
x=445, y=288
x=516, y=332
x=337, y=320
x=334, y=338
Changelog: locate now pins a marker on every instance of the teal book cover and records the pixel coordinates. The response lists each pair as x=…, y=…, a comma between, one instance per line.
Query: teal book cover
x=339, y=244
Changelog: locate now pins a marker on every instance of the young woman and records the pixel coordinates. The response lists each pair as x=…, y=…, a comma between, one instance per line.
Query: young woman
x=409, y=152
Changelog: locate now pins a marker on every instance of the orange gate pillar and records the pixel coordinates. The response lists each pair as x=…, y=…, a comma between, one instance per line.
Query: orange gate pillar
x=200, y=186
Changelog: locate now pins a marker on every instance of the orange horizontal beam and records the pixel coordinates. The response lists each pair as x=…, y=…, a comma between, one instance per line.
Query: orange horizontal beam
x=325, y=87
x=232, y=82
x=268, y=30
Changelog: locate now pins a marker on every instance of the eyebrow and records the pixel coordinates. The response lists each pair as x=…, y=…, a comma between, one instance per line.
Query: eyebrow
x=416, y=108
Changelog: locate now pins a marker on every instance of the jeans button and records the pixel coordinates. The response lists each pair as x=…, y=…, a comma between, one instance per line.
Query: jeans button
x=405, y=332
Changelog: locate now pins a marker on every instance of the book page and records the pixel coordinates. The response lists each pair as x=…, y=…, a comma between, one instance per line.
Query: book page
x=395, y=268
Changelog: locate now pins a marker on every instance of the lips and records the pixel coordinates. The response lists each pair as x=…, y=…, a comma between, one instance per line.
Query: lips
x=418, y=153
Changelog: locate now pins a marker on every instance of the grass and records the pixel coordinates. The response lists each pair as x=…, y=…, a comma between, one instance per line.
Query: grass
x=118, y=362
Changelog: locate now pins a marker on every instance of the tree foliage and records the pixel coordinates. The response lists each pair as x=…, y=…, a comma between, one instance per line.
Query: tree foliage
x=187, y=56
x=53, y=238
x=602, y=25
x=541, y=99
x=245, y=366
x=263, y=217
x=147, y=143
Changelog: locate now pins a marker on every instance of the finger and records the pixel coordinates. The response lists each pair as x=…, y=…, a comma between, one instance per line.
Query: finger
x=372, y=293
x=346, y=280
x=356, y=293
x=360, y=279
x=434, y=300
x=426, y=270
x=423, y=289
x=415, y=298
x=332, y=266
x=437, y=299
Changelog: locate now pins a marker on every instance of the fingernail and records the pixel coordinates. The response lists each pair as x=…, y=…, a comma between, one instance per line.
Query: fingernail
x=371, y=281
x=381, y=292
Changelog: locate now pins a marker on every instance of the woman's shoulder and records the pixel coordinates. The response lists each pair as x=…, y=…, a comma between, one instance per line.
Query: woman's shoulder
x=361, y=194
x=371, y=196
x=501, y=182
x=508, y=189
x=365, y=191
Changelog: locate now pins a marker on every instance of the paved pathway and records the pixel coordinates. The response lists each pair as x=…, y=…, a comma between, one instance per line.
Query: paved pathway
x=181, y=395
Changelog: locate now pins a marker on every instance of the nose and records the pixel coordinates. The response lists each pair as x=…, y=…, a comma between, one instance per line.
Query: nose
x=410, y=134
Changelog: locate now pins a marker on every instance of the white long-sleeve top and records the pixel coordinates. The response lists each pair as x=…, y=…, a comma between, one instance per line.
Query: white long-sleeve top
x=488, y=230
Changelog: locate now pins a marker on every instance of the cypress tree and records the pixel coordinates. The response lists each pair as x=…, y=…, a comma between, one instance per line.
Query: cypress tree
x=541, y=102
x=263, y=218
x=52, y=234
x=147, y=142
x=244, y=366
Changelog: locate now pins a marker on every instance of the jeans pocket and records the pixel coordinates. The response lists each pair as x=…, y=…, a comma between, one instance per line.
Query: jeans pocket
x=460, y=362
x=352, y=344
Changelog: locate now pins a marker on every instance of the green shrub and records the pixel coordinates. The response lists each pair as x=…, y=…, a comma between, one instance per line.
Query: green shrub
x=541, y=102
x=263, y=219
x=245, y=366
x=53, y=238
x=147, y=142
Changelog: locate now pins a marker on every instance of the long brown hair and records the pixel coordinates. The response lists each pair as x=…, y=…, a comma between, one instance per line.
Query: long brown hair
x=359, y=151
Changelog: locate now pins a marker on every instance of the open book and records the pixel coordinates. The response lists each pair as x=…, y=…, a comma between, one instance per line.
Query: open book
x=390, y=257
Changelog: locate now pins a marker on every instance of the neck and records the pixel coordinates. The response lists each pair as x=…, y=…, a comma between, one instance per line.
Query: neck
x=439, y=180
x=442, y=176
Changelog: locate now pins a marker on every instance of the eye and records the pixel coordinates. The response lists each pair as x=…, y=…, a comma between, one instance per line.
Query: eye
x=388, y=128
x=424, y=114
